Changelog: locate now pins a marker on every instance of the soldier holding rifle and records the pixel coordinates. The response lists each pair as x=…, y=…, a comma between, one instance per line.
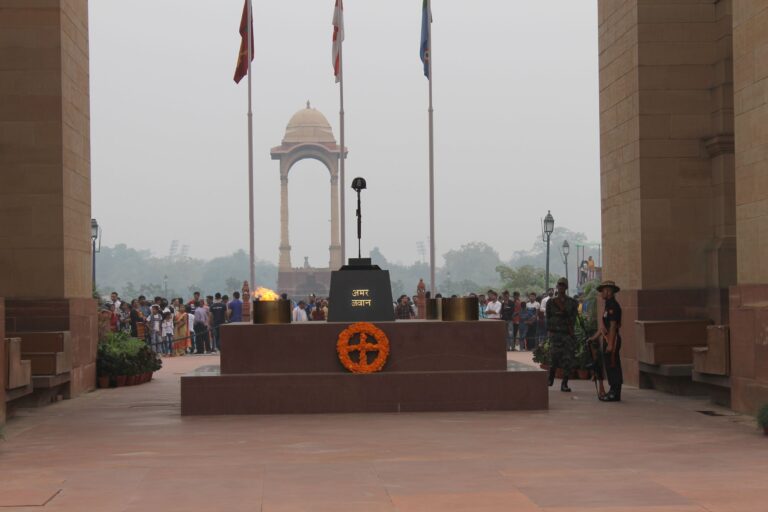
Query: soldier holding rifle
x=609, y=344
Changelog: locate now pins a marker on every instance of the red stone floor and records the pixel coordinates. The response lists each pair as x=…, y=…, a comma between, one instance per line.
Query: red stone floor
x=129, y=449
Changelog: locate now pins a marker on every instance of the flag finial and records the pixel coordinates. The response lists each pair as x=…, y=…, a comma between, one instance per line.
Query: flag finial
x=308, y=105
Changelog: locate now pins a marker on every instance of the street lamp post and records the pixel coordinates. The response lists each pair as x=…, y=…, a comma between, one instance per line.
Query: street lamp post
x=95, y=235
x=565, y=250
x=548, y=226
x=165, y=284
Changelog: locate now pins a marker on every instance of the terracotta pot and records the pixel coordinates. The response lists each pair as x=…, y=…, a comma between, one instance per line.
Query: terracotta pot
x=147, y=376
x=103, y=382
x=544, y=366
x=765, y=430
x=120, y=380
x=583, y=374
x=559, y=373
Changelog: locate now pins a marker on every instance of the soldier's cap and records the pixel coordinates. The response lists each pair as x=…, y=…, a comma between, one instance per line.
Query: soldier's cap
x=608, y=284
x=562, y=281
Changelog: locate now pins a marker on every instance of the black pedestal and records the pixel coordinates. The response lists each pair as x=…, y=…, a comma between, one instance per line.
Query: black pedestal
x=360, y=292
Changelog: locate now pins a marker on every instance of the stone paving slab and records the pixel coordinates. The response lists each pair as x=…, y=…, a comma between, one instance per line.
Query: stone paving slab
x=129, y=449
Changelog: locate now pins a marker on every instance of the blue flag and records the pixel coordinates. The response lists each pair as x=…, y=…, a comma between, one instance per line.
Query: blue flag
x=426, y=19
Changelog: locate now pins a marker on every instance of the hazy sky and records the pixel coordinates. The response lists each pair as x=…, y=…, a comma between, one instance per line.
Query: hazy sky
x=516, y=122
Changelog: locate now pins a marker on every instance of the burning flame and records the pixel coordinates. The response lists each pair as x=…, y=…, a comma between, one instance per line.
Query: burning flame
x=265, y=294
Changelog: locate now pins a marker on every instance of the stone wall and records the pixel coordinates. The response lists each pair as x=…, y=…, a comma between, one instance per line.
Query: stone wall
x=44, y=133
x=3, y=363
x=45, y=189
x=749, y=300
x=666, y=131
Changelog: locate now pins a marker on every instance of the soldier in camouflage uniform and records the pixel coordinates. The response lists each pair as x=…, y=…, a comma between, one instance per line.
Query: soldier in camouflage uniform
x=561, y=320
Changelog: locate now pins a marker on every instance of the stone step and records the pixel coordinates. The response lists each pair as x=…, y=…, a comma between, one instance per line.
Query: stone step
x=55, y=341
x=714, y=359
x=19, y=372
x=658, y=354
x=672, y=332
x=49, y=363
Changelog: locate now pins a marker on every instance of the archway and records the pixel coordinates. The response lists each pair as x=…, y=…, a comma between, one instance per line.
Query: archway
x=307, y=136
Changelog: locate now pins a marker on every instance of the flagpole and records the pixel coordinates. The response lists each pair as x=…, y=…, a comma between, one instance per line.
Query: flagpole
x=251, y=228
x=343, y=224
x=431, y=158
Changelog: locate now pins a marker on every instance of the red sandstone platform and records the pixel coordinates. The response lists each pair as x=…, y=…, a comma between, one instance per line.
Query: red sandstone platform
x=433, y=366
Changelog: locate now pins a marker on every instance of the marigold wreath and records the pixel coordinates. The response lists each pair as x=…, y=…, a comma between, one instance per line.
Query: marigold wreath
x=364, y=331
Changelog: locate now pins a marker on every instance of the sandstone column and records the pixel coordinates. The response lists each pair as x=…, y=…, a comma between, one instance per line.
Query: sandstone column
x=335, y=261
x=749, y=299
x=45, y=190
x=666, y=133
x=285, y=245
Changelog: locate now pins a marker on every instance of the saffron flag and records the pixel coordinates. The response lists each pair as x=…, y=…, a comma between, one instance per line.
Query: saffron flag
x=338, y=38
x=426, y=39
x=242, y=58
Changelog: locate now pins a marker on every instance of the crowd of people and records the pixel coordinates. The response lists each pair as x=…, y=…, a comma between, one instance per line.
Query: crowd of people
x=174, y=327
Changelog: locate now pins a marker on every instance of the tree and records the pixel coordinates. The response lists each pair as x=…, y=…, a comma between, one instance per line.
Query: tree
x=524, y=279
x=536, y=257
x=475, y=262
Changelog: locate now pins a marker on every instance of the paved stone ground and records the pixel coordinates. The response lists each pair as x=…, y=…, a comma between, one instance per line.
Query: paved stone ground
x=129, y=449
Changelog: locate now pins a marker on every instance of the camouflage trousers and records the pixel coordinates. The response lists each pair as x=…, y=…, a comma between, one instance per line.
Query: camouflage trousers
x=563, y=351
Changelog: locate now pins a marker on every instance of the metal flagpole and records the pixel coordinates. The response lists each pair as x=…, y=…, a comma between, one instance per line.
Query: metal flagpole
x=431, y=158
x=252, y=260
x=343, y=212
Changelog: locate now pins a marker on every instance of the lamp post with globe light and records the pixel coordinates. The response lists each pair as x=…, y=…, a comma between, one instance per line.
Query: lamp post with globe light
x=548, y=226
x=565, y=250
x=95, y=235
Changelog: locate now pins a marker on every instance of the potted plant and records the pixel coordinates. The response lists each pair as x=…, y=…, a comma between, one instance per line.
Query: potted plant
x=762, y=418
x=542, y=355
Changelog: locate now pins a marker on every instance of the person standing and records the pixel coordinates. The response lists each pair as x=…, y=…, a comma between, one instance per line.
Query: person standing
x=507, y=314
x=180, y=328
x=125, y=318
x=235, y=308
x=609, y=332
x=403, y=310
x=516, y=317
x=561, y=322
x=532, y=308
x=201, y=328
x=300, y=312
x=167, y=332
x=219, y=317
x=154, y=321
x=493, y=306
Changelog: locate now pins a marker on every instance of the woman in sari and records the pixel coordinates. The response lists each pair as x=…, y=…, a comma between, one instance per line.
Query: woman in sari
x=181, y=329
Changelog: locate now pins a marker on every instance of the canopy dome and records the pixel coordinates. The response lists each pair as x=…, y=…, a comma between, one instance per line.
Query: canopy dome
x=308, y=125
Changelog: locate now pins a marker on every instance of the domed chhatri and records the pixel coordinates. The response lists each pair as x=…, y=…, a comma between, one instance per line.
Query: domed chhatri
x=308, y=125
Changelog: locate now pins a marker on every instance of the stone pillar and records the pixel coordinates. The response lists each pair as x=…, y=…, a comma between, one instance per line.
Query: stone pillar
x=285, y=244
x=3, y=362
x=335, y=249
x=45, y=191
x=749, y=299
x=666, y=126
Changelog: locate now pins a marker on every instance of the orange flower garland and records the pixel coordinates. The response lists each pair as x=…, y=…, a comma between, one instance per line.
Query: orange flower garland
x=365, y=331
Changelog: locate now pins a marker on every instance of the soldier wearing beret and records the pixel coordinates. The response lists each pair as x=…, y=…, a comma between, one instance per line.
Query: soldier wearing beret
x=561, y=313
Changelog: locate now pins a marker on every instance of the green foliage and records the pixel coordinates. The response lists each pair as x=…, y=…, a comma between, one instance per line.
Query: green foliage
x=133, y=273
x=122, y=355
x=541, y=354
x=536, y=257
x=475, y=262
x=525, y=279
x=762, y=416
